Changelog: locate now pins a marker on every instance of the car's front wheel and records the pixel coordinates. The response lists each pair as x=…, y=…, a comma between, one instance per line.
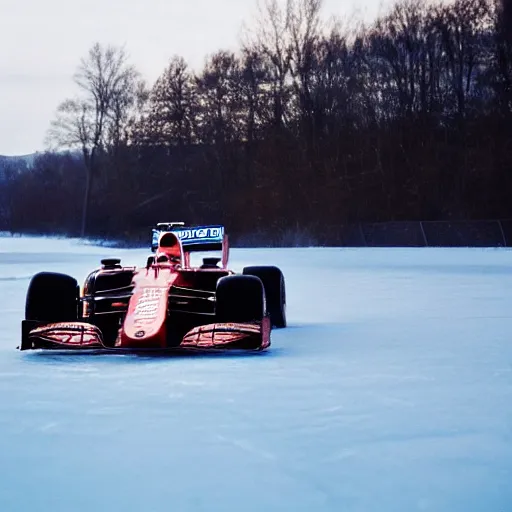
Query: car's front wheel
x=239, y=299
x=275, y=292
x=52, y=297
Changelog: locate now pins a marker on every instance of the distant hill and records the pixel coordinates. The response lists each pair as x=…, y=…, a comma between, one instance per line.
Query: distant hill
x=17, y=161
x=29, y=159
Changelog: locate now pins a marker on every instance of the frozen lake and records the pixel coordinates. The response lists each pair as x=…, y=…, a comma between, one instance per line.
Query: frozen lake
x=391, y=390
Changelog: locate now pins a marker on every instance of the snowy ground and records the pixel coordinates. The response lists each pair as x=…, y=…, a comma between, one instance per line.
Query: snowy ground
x=390, y=391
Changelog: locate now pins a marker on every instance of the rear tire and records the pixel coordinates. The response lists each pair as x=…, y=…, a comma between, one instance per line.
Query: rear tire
x=275, y=292
x=240, y=299
x=52, y=297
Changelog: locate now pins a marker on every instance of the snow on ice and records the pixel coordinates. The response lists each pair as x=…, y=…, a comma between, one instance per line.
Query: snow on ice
x=391, y=390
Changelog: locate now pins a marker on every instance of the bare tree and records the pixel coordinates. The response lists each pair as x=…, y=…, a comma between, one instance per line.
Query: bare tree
x=271, y=41
x=461, y=25
x=93, y=120
x=219, y=114
x=504, y=54
x=304, y=34
x=404, y=55
x=172, y=104
x=255, y=97
x=506, y=6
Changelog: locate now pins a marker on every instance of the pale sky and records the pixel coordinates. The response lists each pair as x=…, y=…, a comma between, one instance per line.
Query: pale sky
x=42, y=42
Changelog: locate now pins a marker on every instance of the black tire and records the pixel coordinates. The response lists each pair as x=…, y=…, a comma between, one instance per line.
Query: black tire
x=52, y=297
x=239, y=299
x=275, y=292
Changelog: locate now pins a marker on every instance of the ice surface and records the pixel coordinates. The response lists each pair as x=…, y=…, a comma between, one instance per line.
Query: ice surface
x=390, y=391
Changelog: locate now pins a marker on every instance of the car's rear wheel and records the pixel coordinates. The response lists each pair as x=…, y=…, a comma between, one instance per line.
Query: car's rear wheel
x=275, y=292
x=240, y=299
x=52, y=297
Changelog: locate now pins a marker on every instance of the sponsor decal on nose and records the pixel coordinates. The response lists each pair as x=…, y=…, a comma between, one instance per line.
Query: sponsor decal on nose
x=147, y=304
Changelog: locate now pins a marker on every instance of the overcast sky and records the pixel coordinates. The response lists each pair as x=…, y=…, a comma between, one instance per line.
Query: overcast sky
x=42, y=41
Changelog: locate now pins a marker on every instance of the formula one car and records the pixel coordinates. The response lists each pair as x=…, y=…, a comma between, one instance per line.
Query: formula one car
x=166, y=304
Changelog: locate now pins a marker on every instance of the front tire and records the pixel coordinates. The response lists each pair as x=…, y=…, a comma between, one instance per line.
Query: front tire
x=52, y=297
x=240, y=299
x=275, y=292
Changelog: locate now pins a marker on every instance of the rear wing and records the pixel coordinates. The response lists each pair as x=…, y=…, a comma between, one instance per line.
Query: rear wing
x=193, y=239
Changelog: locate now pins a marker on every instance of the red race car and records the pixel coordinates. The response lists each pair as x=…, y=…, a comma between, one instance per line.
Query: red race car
x=167, y=304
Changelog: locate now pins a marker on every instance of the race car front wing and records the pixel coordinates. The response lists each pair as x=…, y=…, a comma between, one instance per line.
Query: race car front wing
x=253, y=336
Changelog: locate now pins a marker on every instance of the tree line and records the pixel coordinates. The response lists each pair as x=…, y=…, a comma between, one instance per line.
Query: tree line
x=308, y=125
